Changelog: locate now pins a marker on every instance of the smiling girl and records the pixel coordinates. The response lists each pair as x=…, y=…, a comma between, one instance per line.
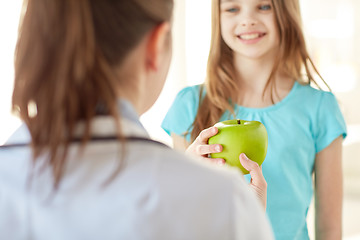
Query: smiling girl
x=259, y=69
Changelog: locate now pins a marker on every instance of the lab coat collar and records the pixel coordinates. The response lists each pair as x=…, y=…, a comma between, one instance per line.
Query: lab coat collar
x=101, y=126
x=130, y=124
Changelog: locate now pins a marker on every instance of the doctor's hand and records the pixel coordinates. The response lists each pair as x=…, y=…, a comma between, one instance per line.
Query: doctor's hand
x=257, y=183
x=201, y=148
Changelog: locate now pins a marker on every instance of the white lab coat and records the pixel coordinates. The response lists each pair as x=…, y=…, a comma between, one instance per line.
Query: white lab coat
x=158, y=194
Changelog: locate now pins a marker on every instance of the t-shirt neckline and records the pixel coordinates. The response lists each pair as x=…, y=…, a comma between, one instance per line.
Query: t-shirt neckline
x=271, y=107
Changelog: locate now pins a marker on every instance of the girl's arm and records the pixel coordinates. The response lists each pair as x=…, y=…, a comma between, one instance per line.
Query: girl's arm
x=329, y=192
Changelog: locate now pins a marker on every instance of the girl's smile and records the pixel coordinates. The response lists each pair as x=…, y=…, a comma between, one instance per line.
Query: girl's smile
x=251, y=37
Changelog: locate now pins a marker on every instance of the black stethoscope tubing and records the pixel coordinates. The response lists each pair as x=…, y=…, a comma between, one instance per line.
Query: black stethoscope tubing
x=94, y=139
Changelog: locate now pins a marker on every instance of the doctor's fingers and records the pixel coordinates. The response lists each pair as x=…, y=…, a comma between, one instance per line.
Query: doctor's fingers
x=205, y=134
x=207, y=149
x=218, y=161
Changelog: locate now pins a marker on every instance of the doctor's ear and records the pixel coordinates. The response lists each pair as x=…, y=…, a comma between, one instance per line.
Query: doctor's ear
x=158, y=45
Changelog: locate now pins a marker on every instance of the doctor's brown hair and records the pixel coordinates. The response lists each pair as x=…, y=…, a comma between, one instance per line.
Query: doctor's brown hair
x=65, y=58
x=221, y=88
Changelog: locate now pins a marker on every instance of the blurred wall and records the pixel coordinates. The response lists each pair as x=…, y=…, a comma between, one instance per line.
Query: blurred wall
x=333, y=34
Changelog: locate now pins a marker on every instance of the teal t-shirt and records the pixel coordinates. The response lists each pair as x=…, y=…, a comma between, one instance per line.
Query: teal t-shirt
x=305, y=122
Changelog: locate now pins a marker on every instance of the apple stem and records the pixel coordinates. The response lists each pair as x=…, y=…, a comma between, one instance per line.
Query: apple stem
x=238, y=121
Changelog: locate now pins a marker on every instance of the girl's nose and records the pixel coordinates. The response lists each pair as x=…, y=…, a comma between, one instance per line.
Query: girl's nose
x=247, y=18
x=248, y=22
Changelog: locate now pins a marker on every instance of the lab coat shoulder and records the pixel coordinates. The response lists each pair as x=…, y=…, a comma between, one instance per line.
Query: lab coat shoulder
x=213, y=197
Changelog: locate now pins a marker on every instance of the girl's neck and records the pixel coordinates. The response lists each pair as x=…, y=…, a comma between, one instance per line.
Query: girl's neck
x=252, y=76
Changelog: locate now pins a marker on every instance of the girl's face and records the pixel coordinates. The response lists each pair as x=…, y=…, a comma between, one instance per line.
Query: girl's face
x=249, y=27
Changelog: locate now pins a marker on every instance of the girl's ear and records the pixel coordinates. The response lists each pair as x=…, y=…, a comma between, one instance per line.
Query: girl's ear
x=158, y=44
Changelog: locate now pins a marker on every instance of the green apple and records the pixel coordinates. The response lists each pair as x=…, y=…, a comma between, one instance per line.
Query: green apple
x=240, y=136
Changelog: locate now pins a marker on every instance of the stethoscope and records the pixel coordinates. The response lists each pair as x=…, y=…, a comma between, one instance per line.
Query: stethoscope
x=97, y=139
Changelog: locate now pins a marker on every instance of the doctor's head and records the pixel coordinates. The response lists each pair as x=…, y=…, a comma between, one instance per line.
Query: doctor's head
x=72, y=56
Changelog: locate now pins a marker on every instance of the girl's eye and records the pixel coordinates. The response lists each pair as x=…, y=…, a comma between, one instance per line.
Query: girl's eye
x=232, y=10
x=265, y=7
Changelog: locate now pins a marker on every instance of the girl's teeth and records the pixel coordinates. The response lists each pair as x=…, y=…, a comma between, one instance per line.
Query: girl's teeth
x=250, y=36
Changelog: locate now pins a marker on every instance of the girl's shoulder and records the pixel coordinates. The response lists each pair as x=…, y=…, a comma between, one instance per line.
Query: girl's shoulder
x=308, y=93
x=316, y=102
x=193, y=90
x=190, y=95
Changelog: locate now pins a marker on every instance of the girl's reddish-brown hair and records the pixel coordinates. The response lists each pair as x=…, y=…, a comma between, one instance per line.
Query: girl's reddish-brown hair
x=220, y=87
x=66, y=54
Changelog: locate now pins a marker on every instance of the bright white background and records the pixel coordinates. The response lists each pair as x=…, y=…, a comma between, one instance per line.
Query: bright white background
x=332, y=30
x=9, y=15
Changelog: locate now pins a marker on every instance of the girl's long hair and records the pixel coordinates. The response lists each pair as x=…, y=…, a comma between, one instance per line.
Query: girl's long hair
x=65, y=58
x=220, y=86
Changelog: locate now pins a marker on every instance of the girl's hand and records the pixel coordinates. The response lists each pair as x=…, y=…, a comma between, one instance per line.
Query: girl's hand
x=257, y=183
x=201, y=148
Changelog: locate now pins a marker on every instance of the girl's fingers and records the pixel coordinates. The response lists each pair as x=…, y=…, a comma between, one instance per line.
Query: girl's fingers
x=252, y=167
x=258, y=182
